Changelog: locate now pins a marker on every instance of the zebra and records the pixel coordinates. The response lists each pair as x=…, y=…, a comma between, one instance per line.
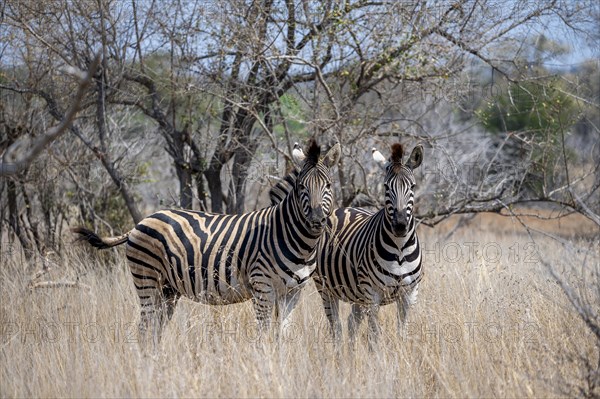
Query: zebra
x=371, y=259
x=217, y=259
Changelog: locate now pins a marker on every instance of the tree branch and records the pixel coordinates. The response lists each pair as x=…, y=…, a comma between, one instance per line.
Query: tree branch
x=9, y=167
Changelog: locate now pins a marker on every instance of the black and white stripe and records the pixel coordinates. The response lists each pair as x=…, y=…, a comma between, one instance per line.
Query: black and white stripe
x=372, y=259
x=218, y=259
x=283, y=187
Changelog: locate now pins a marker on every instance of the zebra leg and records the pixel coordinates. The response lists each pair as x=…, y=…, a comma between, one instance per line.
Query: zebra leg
x=285, y=307
x=408, y=299
x=263, y=307
x=263, y=300
x=331, y=306
x=354, y=320
x=402, y=307
x=170, y=302
x=150, y=316
x=374, y=328
x=157, y=308
x=264, y=295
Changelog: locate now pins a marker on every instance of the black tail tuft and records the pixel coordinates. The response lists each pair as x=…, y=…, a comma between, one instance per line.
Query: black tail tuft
x=92, y=238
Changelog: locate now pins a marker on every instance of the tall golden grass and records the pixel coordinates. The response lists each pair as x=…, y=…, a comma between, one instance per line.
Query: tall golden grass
x=490, y=321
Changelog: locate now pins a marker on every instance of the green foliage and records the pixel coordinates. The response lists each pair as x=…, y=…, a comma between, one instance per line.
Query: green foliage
x=193, y=107
x=537, y=107
x=110, y=205
x=142, y=172
x=113, y=209
x=540, y=114
x=293, y=115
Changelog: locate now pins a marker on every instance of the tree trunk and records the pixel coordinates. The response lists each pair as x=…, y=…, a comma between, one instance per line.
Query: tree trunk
x=119, y=181
x=243, y=159
x=184, y=174
x=215, y=187
x=13, y=217
x=347, y=195
x=244, y=152
x=240, y=176
x=219, y=158
x=11, y=193
x=201, y=191
x=124, y=190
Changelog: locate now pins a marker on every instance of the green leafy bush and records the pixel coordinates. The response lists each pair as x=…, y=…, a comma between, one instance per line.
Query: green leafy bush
x=533, y=117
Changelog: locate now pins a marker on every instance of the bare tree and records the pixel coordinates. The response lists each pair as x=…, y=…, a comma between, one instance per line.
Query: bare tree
x=44, y=33
x=222, y=83
x=13, y=162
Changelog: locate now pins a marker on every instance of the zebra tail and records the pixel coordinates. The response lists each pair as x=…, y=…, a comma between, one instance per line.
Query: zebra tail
x=96, y=241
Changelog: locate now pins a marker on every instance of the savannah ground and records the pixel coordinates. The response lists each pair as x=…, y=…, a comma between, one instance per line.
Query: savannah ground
x=490, y=322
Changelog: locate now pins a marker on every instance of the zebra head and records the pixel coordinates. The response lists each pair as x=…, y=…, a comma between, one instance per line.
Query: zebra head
x=399, y=189
x=313, y=187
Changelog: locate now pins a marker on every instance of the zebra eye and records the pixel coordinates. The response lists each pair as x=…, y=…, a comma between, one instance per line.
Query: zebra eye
x=301, y=187
x=328, y=186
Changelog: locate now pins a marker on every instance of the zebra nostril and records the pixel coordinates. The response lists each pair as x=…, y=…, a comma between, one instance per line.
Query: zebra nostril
x=403, y=217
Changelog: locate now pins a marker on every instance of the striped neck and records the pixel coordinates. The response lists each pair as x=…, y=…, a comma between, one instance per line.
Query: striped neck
x=388, y=247
x=290, y=213
x=293, y=247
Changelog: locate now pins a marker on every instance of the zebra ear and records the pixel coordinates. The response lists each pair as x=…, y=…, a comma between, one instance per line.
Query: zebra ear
x=332, y=156
x=416, y=157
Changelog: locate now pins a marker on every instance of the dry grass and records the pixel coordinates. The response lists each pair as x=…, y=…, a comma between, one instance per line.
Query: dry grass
x=488, y=323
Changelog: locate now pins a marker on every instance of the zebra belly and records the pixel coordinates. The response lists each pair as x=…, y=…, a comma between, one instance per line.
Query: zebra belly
x=230, y=297
x=364, y=290
x=375, y=293
x=369, y=296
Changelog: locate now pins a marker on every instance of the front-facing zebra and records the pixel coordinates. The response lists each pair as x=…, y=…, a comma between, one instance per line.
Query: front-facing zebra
x=373, y=259
x=370, y=259
x=216, y=259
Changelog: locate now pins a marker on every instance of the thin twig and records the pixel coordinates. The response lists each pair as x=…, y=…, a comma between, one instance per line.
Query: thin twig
x=16, y=166
x=60, y=284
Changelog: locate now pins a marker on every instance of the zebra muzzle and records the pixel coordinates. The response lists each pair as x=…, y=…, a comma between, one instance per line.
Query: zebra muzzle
x=400, y=223
x=317, y=220
x=317, y=225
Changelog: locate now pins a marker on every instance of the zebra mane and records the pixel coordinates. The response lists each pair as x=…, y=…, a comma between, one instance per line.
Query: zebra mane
x=279, y=191
x=313, y=154
x=396, y=157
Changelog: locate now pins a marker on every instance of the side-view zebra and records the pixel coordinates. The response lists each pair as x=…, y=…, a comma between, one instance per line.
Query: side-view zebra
x=372, y=259
x=217, y=259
